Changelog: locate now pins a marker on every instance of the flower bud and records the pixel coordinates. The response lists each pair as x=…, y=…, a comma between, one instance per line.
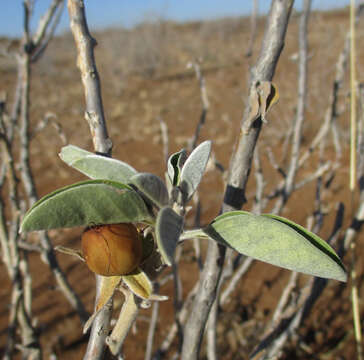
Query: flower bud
x=112, y=250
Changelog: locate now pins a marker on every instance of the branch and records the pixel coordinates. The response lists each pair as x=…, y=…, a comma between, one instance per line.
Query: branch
x=253, y=28
x=102, y=144
x=49, y=35
x=204, y=99
x=44, y=23
x=24, y=68
x=90, y=78
x=238, y=176
x=300, y=115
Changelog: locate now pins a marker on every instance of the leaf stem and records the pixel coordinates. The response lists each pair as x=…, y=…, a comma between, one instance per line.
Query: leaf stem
x=193, y=234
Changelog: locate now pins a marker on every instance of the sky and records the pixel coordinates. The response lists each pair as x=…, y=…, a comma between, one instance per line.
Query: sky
x=126, y=13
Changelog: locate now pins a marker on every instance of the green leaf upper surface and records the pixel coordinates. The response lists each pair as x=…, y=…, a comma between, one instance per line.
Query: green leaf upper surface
x=310, y=236
x=96, y=166
x=86, y=203
x=168, y=228
x=71, y=153
x=277, y=241
x=152, y=187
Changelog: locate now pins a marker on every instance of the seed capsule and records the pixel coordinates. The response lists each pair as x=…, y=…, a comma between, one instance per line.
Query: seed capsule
x=112, y=250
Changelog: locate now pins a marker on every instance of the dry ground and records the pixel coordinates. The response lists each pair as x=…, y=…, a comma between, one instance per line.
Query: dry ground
x=144, y=78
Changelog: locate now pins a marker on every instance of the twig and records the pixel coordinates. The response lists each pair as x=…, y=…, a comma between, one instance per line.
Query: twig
x=205, y=102
x=177, y=295
x=353, y=119
x=298, y=307
x=238, y=176
x=253, y=28
x=44, y=23
x=197, y=224
x=165, y=138
x=102, y=144
x=12, y=258
x=300, y=115
x=211, y=345
x=320, y=171
x=49, y=119
x=94, y=114
x=283, y=301
x=260, y=183
x=353, y=164
x=239, y=273
x=26, y=172
x=126, y=319
x=172, y=331
x=151, y=330
x=48, y=37
x=331, y=113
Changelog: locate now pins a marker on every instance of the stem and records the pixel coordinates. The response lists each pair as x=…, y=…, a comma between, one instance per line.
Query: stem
x=90, y=78
x=127, y=316
x=94, y=115
x=238, y=176
x=193, y=234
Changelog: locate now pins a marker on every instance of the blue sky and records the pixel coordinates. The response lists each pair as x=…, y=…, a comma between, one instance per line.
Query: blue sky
x=104, y=13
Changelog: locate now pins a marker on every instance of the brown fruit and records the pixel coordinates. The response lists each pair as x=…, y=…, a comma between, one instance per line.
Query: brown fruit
x=112, y=250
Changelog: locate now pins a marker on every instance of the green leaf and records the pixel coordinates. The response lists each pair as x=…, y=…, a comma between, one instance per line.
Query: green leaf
x=308, y=235
x=193, y=169
x=174, y=166
x=86, y=203
x=277, y=241
x=96, y=166
x=168, y=228
x=71, y=153
x=152, y=187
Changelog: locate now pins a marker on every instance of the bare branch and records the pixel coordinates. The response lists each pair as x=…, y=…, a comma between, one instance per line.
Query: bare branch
x=300, y=115
x=94, y=115
x=45, y=22
x=165, y=142
x=43, y=44
x=128, y=314
x=50, y=119
x=204, y=99
x=151, y=332
x=238, y=176
x=90, y=78
x=28, y=181
x=239, y=273
x=253, y=28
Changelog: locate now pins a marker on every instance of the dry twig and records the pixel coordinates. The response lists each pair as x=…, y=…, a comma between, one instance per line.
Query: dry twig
x=238, y=176
x=94, y=115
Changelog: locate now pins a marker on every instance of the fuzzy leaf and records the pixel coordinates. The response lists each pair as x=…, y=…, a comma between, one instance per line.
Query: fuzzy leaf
x=96, y=166
x=194, y=168
x=152, y=187
x=168, y=228
x=139, y=283
x=277, y=241
x=85, y=203
x=108, y=286
x=71, y=153
x=174, y=166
